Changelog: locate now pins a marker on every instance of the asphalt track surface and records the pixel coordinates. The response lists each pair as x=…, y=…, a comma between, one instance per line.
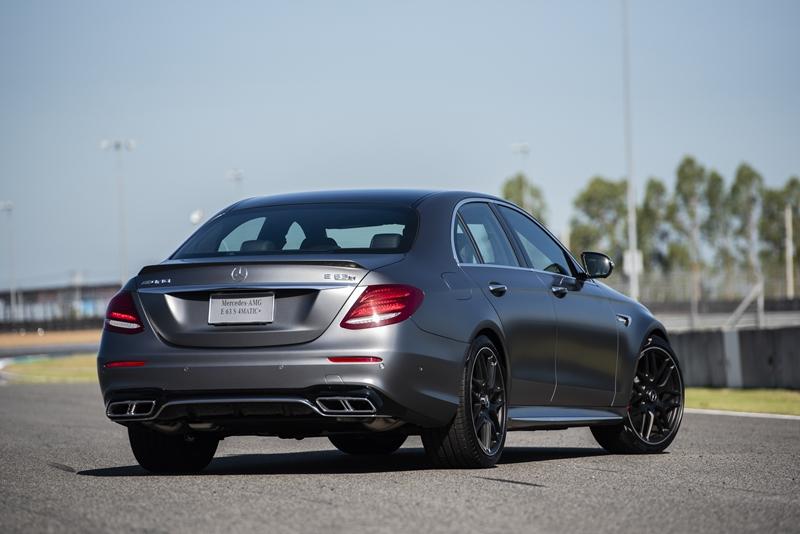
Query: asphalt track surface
x=65, y=468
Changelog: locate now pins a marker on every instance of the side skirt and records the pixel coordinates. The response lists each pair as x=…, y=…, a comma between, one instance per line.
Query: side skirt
x=557, y=417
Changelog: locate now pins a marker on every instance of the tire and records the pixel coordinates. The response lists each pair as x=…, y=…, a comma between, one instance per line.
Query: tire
x=362, y=444
x=162, y=453
x=651, y=407
x=482, y=402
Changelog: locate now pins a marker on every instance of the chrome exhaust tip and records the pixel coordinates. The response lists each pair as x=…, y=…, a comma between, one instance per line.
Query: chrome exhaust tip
x=130, y=409
x=346, y=405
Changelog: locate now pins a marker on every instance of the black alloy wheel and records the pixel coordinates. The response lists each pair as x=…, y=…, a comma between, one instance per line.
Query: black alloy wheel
x=488, y=396
x=655, y=408
x=477, y=434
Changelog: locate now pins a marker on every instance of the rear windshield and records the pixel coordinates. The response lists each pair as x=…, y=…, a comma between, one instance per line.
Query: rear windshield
x=306, y=228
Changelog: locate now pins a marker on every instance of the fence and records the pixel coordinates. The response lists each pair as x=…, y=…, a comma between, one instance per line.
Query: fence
x=58, y=308
x=715, y=285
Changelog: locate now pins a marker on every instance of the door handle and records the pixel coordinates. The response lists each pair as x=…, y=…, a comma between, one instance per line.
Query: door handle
x=559, y=291
x=498, y=290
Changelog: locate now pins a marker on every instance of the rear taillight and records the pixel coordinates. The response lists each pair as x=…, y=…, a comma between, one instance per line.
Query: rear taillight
x=354, y=359
x=382, y=305
x=124, y=363
x=121, y=315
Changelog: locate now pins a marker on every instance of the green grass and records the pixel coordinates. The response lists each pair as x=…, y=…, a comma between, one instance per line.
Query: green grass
x=782, y=401
x=81, y=368
x=78, y=368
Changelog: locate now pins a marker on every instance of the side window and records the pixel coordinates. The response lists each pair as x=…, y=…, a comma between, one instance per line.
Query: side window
x=465, y=250
x=488, y=234
x=246, y=232
x=543, y=253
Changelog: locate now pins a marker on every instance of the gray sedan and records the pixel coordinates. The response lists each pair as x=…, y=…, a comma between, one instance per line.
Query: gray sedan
x=369, y=316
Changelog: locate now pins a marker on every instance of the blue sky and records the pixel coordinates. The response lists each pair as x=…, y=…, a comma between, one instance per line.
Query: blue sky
x=317, y=95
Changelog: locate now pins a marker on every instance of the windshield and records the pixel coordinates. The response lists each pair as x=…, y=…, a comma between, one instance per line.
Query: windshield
x=305, y=228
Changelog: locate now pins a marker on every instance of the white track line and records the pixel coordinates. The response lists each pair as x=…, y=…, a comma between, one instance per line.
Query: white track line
x=742, y=414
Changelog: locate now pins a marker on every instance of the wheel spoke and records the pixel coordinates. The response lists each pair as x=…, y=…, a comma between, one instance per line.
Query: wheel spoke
x=652, y=367
x=496, y=394
x=664, y=374
x=478, y=416
x=486, y=435
x=495, y=420
x=491, y=372
x=650, y=420
x=481, y=366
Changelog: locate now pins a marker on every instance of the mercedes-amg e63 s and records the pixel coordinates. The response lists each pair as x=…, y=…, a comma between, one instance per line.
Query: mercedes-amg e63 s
x=369, y=316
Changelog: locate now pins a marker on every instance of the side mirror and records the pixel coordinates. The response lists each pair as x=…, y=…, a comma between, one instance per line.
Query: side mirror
x=597, y=265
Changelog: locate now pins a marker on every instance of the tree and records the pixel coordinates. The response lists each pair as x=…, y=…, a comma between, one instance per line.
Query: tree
x=528, y=196
x=599, y=223
x=687, y=219
x=745, y=206
x=716, y=227
x=716, y=230
x=653, y=227
x=771, y=226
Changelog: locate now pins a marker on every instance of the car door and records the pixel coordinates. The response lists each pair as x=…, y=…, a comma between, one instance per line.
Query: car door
x=586, y=353
x=518, y=295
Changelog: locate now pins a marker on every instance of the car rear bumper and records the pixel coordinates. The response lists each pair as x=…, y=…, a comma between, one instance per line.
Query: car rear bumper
x=417, y=379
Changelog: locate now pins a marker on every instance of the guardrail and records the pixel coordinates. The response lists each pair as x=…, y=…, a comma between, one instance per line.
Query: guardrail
x=85, y=323
x=744, y=358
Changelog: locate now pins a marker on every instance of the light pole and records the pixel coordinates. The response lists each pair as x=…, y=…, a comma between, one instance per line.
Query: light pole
x=237, y=177
x=118, y=146
x=8, y=208
x=789, y=251
x=523, y=149
x=633, y=259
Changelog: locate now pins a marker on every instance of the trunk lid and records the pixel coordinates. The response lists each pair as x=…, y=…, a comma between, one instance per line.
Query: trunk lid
x=309, y=291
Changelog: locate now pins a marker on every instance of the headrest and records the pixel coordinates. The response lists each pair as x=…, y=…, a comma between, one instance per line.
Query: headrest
x=325, y=243
x=257, y=245
x=385, y=241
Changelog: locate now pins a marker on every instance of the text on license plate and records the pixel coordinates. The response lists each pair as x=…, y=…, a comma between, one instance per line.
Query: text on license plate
x=241, y=309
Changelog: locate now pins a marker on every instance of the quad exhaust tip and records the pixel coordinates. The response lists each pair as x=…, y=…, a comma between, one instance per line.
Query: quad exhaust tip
x=132, y=408
x=138, y=409
x=346, y=405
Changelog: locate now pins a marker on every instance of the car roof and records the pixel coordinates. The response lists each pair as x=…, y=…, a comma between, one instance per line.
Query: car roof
x=408, y=197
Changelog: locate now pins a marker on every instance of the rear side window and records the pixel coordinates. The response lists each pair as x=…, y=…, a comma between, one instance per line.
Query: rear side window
x=489, y=236
x=305, y=228
x=465, y=250
x=543, y=252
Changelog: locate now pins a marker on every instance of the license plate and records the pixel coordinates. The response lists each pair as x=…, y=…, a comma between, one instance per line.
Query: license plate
x=241, y=309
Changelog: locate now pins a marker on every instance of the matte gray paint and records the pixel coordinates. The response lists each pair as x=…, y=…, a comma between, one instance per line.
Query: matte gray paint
x=580, y=348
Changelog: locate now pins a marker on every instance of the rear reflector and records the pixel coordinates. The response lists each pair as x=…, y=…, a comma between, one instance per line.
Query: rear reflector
x=354, y=359
x=382, y=305
x=121, y=315
x=111, y=365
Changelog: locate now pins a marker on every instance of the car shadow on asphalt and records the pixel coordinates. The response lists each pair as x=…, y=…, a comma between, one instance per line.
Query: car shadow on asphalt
x=335, y=462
